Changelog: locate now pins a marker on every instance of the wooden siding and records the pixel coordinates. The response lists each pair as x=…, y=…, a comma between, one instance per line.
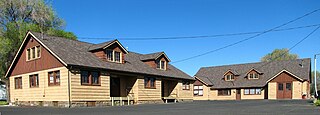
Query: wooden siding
x=272, y=90
x=214, y=95
x=153, y=64
x=146, y=94
x=184, y=94
x=43, y=92
x=102, y=54
x=284, y=77
x=205, y=95
x=89, y=93
x=23, y=66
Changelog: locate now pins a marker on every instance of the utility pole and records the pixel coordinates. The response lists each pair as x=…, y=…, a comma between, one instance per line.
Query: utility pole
x=315, y=75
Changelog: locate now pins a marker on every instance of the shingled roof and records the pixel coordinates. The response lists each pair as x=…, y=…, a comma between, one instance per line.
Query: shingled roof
x=213, y=76
x=76, y=53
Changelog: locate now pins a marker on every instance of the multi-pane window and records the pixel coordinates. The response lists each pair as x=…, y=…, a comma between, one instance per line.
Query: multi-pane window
x=34, y=80
x=113, y=56
x=109, y=55
x=198, y=90
x=33, y=53
x=54, y=78
x=149, y=82
x=253, y=76
x=224, y=92
x=90, y=78
x=18, y=82
x=117, y=57
x=161, y=64
x=186, y=85
x=255, y=91
x=229, y=77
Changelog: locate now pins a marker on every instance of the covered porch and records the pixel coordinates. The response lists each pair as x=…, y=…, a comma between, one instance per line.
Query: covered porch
x=169, y=90
x=121, y=89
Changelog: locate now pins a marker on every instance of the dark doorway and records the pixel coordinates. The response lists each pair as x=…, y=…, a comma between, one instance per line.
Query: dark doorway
x=284, y=90
x=114, y=87
x=238, y=96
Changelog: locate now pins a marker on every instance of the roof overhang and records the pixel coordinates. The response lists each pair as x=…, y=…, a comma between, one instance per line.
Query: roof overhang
x=20, y=51
x=286, y=72
x=116, y=42
x=197, y=78
x=254, y=70
x=163, y=55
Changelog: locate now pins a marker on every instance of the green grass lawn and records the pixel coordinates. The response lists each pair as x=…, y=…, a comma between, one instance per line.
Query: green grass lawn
x=3, y=103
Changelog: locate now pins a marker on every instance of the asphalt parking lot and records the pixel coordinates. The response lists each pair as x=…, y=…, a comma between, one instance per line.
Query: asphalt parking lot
x=246, y=107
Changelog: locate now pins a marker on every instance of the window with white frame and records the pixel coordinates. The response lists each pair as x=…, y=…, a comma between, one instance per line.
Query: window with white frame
x=33, y=53
x=229, y=77
x=186, y=85
x=198, y=90
x=113, y=56
x=253, y=76
x=252, y=91
x=161, y=64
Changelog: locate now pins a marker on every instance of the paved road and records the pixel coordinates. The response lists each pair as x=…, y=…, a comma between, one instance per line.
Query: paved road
x=248, y=107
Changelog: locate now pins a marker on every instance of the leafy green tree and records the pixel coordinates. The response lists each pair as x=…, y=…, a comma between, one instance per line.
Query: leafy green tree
x=279, y=54
x=19, y=16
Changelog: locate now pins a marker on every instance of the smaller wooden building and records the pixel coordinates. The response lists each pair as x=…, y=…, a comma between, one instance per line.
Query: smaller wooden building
x=263, y=80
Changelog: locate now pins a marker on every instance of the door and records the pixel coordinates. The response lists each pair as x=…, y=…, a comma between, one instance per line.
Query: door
x=114, y=87
x=238, y=96
x=284, y=90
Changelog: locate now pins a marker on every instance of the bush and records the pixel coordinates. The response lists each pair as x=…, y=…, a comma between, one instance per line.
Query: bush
x=3, y=103
x=317, y=103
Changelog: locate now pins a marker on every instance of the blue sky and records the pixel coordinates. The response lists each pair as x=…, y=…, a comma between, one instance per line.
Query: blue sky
x=170, y=18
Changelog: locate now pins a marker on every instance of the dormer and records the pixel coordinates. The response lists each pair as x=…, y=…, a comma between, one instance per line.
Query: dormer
x=111, y=51
x=157, y=60
x=253, y=74
x=229, y=76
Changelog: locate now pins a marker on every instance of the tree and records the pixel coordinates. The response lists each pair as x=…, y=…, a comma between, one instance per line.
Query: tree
x=19, y=16
x=279, y=54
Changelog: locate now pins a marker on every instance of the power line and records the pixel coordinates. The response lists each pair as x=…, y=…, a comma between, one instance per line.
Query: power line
x=313, y=31
x=246, y=39
x=205, y=36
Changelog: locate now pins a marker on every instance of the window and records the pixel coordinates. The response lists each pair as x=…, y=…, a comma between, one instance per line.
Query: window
x=224, y=92
x=54, y=78
x=33, y=53
x=90, y=78
x=109, y=55
x=113, y=56
x=149, y=82
x=280, y=86
x=117, y=56
x=38, y=51
x=254, y=91
x=198, y=90
x=186, y=85
x=161, y=65
x=229, y=77
x=288, y=86
x=34, y=80
x=253, y=76
x=18, y=82
x=28, y=54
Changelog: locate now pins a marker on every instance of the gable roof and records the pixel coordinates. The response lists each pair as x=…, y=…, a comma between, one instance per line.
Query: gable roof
x=154, y=56
x=76, y=53
x=104, y=45
x=213, y=75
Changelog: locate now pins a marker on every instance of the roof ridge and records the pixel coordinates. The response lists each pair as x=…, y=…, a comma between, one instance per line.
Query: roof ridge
x=253, y=63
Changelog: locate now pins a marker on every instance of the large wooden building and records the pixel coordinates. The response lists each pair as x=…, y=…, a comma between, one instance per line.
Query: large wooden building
x=54, y=71
x=263, y=80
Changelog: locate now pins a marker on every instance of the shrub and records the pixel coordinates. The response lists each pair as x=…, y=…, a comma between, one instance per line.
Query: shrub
x=317, y=103
x=3, y=103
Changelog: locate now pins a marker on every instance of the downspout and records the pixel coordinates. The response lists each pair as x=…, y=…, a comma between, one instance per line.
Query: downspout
x=69, y=93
